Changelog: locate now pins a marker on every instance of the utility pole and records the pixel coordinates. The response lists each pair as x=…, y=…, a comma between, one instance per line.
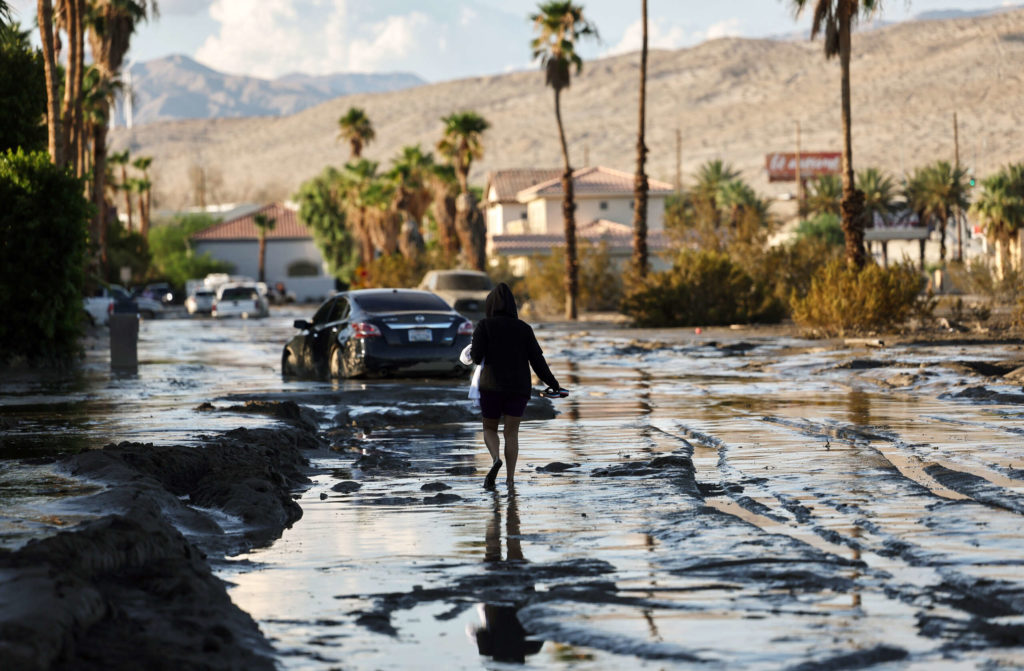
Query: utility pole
x=679, y=161
x=960, y=226
x=799, y=178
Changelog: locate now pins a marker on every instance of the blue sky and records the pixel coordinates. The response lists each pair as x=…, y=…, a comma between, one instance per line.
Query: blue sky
x=441, y=39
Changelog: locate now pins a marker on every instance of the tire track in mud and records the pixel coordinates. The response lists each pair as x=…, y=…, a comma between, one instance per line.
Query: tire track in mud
x=966, y=616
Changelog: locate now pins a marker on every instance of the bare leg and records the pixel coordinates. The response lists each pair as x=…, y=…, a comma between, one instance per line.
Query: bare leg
x=491, y=437
x=511, y=433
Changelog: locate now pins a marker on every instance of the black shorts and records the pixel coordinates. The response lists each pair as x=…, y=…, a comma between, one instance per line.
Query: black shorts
x=494, y=404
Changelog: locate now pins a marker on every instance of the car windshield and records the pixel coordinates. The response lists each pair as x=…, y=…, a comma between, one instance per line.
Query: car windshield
x=238, y=294
x=399, y=301
x=463, y=282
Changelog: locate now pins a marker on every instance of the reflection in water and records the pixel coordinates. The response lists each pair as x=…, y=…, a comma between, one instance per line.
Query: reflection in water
x=859, y=407
x=492, y=541
x=501, y=635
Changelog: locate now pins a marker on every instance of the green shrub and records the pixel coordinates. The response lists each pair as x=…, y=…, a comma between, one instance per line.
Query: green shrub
x=396, y=270
x=600, y=281
x=843, y=300
x=702, y=288
x=979, y=278
x=173, y=259
x=43, y=223
x=788, y=269
x=825, y=227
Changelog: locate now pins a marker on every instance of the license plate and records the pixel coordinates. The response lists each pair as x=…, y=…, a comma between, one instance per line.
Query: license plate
x=420, y=335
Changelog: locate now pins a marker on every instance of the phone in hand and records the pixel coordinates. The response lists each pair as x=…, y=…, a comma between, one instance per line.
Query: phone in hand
x=551, y=392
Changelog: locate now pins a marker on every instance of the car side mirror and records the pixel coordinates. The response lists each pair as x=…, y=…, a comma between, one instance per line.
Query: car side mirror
x=301, y=324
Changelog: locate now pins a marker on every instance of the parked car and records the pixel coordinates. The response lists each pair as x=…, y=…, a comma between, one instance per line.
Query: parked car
x=465, y=290
x=379, y=332
x=200, y=301
x=98, y=308
x=112, y=298
x=239, y=300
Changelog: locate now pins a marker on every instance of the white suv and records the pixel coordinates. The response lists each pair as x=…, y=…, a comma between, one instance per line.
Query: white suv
x=239, y=300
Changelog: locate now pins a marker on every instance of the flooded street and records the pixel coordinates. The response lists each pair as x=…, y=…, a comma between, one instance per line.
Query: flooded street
x=734, y=499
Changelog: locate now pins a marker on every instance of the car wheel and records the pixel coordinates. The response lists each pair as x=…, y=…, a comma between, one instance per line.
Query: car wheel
x=147, y=314
x=288, y=364
x=336, y=363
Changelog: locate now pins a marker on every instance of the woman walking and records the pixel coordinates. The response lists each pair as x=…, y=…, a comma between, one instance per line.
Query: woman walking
x=507, y=348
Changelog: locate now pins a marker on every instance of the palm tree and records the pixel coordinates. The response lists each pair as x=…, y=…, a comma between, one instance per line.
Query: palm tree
x=559, y=25
x=835, y=19
x=461, y=143
x=825, y=195
x=640, y=181
x=142, y=164
x=5, y=14
x=70, y=17
x=111, y=25
x=411, y=172
x=356, y=129
x=711, y=176
x=263, y=224
x=880, y=193
x=355, y=184
x=1001, y=209
x=55, y=146
x=444, y=186
x=943, y=189
x=121, y=160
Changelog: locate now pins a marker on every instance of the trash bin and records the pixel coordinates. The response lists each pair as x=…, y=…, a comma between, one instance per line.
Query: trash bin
x=124, y=340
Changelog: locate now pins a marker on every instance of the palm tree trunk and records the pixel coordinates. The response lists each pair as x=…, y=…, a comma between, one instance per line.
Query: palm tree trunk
x=569, y=218
x=44, y=9
x=127, y=195
x=99, y=169
x=263, y=255
x=73, y=81
x=942, y=236
x=144, y=214
x=852, y=205
x=640, y=182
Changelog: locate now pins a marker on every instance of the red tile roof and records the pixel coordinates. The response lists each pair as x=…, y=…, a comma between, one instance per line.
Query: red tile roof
x=287, y=226
x=592, y=181
x=507, y=183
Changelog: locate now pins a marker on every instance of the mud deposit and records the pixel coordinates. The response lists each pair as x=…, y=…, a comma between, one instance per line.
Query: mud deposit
x=734, y=500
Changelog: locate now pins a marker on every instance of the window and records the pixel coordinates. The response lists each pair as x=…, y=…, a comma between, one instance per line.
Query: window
x=603, y=205
x=303, y=268
x=397, y=301
x=454, y=281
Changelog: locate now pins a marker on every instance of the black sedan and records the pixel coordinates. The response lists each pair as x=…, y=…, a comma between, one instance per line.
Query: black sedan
x=379, y=332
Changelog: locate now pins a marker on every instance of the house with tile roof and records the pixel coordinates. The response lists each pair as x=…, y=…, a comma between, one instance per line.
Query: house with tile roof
x=524, y=212
x=292, y=257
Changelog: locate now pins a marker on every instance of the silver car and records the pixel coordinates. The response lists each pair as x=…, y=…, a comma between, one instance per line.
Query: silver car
x=464, y=290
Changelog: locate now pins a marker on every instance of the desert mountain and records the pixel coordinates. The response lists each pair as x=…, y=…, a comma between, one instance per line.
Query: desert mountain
x=734, y=99
x=177, y=87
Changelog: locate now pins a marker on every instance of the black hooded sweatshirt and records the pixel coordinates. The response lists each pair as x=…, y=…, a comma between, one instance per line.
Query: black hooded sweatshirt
x=507, y=347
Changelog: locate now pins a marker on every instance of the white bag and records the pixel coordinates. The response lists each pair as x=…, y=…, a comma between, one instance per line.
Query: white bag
x=474, y=386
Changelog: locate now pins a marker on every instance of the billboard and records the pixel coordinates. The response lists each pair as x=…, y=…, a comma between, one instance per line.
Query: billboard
x=781, y=166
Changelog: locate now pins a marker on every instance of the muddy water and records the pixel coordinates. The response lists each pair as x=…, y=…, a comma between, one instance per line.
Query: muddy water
x=846, y=507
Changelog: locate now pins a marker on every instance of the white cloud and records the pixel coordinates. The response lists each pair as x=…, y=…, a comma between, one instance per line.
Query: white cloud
x=660, y=35
x=392, y=42
x=727, y=28
x=272, y=41
x=435, y=40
